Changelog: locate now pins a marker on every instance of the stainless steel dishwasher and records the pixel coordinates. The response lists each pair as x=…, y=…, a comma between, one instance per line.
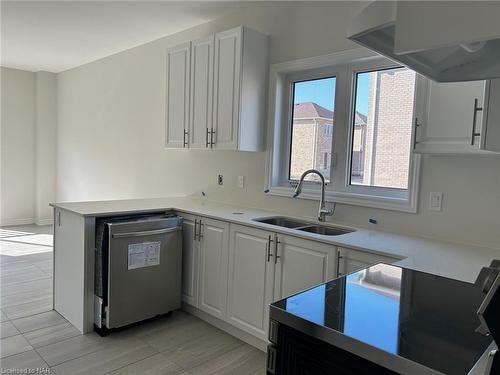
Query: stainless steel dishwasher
x=141, y=271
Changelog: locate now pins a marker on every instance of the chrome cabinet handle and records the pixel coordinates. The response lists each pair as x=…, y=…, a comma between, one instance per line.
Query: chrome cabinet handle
x=339, y=257
x=200, y=234
x=207, y=144
x=212, y=133
x=195, y=225
x=145, y=232
x=269, y=255
x=474, y=121
x=186, y=133
x=415, y=133
x=276, y=243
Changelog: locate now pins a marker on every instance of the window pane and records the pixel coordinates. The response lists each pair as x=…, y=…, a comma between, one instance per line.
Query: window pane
x=383, y=119
x=312, y=127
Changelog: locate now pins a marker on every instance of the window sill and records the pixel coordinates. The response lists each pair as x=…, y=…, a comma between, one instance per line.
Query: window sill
x=363, y=200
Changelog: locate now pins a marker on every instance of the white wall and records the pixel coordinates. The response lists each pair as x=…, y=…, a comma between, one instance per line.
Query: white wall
x=111, y=131
x=17, y=199
x=46, y=146
x=28, y=129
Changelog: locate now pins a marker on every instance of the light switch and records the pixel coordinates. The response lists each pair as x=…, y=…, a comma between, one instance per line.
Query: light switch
x=241, y=182
x=435, y=201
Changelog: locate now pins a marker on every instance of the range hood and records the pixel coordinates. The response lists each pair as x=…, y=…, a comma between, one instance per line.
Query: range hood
x=446, y=41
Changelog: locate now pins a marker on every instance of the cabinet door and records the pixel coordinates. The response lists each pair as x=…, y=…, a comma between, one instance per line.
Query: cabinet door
x=353, y=260
x=451, y=115
x=301, y=264
x=214, y=248
x=251, y=279
x=490, y=132
x=227, y=76
x=190, y=257
x=177, y=100
x=202, y=70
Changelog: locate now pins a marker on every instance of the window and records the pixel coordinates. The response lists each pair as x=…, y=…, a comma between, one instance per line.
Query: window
x=350, y=116
x=312, y=118
x=328, y=129
x=382, y=128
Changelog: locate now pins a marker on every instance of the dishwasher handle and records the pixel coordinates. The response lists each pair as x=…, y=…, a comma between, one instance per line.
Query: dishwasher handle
x=146, y=232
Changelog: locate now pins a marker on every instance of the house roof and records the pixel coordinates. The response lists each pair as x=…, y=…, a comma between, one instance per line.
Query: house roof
x=314, y=110
x=359, y=118
x=311, y=110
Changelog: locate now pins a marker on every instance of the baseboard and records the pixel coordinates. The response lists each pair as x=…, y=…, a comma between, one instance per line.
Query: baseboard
x=45, y=221
x=226, y=327
x=27, y=221
x=12, y=222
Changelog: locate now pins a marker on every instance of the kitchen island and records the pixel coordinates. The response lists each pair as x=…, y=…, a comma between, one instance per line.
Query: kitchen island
x=74, y=247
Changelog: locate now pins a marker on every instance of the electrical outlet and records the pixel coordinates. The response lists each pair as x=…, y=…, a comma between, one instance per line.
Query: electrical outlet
x=241, y=182
x=435, y=201
x=220, y=179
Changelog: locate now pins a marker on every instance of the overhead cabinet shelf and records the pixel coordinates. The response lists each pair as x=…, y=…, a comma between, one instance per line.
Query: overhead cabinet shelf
x=216, y=90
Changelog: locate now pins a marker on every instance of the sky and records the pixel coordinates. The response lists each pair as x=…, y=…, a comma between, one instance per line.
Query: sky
x=322, y=92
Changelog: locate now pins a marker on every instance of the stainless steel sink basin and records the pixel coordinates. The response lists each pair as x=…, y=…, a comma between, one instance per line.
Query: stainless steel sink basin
x=304, y=226
x=282, y=221
x=326, y=230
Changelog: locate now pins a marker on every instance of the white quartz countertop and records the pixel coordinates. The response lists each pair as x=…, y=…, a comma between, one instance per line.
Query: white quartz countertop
x=462, y=262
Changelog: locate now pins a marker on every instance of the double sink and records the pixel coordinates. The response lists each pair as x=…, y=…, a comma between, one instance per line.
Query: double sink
x=304, y=226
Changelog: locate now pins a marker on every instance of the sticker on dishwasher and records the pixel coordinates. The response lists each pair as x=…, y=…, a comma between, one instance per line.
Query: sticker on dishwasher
x=143, y=254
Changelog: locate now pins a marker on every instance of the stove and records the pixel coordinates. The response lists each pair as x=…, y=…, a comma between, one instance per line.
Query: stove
x=397, y=320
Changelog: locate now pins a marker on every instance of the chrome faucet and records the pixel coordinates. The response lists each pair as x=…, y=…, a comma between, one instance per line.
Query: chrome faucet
x=322, y=211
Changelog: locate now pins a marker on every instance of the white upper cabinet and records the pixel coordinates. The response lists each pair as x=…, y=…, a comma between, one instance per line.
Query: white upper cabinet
x=458, y=118
x=226, y=92
x=177, y=92
x=202, y=73
x=227, y=88
x=239, y=89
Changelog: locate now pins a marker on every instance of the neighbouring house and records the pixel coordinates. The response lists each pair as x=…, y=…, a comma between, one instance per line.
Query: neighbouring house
x=312, y=139
x=313, y=128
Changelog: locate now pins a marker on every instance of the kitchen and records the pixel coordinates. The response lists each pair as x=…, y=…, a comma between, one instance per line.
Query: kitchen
x=111, y=148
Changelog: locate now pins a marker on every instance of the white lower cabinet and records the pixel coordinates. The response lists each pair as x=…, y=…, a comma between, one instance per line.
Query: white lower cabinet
x=251, y=279
x=204, y=264
x=214, y=250
x=350, y=260
x=301, y=264
x=265, y=267
x=234, y=272
x=190, y=255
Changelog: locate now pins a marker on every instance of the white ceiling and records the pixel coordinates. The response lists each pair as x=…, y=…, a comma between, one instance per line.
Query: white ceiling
x=59, y=35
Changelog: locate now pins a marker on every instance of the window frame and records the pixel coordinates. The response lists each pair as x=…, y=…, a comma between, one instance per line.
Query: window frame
x=372, y=191
x=343, y=65
x=290, y=80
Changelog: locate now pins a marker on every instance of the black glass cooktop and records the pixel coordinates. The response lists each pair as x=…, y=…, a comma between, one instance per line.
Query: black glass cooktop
x=427, y=319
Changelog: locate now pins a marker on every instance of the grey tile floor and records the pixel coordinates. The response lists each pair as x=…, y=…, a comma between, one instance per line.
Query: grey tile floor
x=33, y=336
